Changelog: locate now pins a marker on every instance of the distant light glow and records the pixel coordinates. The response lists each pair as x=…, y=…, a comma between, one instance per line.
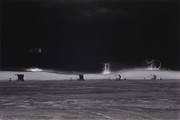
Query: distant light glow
x=106, y=69
x=36, y=50
x=34, y=70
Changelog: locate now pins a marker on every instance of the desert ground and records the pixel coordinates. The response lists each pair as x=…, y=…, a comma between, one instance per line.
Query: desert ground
x=133, y=74
x=90, y=100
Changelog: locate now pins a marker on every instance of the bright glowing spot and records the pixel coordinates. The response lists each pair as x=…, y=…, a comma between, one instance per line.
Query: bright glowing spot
x=153, y=65
x=34, y=70
x=106, y=69
x=36, y=50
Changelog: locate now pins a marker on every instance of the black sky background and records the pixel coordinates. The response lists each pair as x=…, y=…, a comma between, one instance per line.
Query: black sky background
x=82, y=35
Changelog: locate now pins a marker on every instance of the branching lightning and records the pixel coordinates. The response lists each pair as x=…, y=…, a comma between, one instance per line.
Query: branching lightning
x=153, y=65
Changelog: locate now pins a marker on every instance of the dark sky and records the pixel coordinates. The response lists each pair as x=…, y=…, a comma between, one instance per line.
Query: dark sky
x=82, y=35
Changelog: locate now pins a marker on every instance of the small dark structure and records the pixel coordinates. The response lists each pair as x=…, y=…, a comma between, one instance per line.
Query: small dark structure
x=119, y=77
x=81, y=77
x=153, y=77
x=20, y=77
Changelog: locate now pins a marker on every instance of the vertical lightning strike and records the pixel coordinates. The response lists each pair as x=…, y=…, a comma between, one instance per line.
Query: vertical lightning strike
x=106, y=69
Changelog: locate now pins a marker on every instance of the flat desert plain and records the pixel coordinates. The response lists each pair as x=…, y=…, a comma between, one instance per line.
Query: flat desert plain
x=90, y=100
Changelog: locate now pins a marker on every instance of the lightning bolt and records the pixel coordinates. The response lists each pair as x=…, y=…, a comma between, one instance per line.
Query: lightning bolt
x=152, y=64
